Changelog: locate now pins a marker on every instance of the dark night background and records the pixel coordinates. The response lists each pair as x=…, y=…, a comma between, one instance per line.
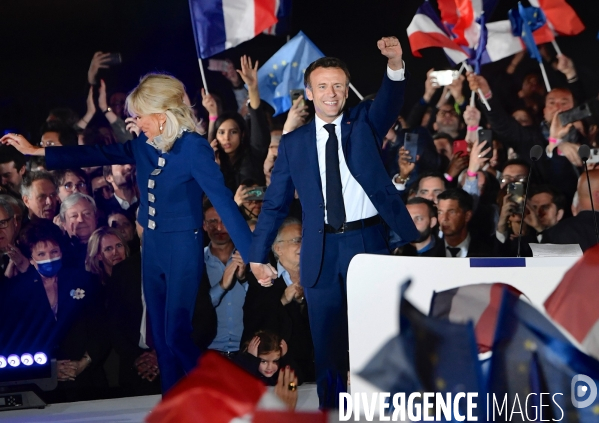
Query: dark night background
x=46, y=47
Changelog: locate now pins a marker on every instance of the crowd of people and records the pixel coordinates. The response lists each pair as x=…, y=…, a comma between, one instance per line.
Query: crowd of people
x=71, y=269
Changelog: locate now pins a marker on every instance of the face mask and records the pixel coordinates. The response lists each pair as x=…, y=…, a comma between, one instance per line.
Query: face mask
x=49, y=268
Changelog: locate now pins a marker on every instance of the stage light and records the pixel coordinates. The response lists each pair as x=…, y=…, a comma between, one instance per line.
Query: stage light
x=14, y=360
x=40, y=358
x=27, y=359
x=3, y=362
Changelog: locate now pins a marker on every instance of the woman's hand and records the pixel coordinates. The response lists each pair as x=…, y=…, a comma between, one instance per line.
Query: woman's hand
x=477, y=156
x=286, y=387
x=132, y=126
x=99, y=61
x=22, y=145
x=405, y=165
x=214, y=145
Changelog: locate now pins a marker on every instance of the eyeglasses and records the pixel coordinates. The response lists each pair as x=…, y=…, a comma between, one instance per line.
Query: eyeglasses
x=4, y=223
x=69, y=186
x=509, y=179
x=447, y=113
x=213, y=223
x=294, y=241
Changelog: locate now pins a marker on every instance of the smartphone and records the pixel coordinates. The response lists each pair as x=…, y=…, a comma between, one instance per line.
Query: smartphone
x=410, y=143
x=574, y=114
x=444, y=77
x=460, y=146
x=115, y=59
x=486, y=135
x=516, y=191
x=295, y=94
x=218, y=65
x=256, y=194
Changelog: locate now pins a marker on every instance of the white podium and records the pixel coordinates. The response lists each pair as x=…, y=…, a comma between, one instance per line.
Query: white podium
x=373, y=284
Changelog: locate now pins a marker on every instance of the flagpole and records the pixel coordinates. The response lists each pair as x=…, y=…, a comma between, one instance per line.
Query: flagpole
x=203, y=75
x=481, y=96
x=547, y=86
x=553, y=42
x=360, y=96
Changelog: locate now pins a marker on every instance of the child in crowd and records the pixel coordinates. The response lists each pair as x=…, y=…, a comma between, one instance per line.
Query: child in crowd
x=264, y=355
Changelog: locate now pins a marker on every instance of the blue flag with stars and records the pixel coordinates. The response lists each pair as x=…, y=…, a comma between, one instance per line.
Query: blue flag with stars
x=526, y=20
x=285, y=71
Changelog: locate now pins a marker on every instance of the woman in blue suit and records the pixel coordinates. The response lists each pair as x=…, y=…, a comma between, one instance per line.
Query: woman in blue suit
x=175, y=168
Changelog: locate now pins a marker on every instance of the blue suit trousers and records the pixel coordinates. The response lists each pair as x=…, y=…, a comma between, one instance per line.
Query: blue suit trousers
x=172, y=271
x=327, y=308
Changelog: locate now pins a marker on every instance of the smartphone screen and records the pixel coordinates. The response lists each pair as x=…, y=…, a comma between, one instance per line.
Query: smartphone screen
x=444, y=77
x=516, y=191
x=486, y=135
x=411, y=144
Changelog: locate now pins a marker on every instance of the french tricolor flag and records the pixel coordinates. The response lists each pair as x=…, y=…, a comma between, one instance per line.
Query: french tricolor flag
x=222, y=24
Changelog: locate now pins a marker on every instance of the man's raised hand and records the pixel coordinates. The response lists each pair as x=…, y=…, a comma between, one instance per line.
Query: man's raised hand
x=391, y=49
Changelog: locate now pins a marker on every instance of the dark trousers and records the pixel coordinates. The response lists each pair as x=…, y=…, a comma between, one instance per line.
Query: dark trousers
x=171, y=271
x=327, y=308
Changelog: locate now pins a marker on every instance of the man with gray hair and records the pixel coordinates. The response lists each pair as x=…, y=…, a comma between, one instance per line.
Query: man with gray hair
x=281, y=308
x=78, y=217
x=40, y=195
x=8, y=233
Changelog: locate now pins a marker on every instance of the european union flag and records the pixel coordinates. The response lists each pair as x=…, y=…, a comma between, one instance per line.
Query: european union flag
x=532, y=357
x=428, y=355
x=524, y=21
x=285, y=71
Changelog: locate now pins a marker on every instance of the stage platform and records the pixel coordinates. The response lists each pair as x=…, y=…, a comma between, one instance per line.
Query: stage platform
x=119, y=410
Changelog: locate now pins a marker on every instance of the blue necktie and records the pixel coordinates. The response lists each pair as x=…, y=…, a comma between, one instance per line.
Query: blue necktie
x=334, y=200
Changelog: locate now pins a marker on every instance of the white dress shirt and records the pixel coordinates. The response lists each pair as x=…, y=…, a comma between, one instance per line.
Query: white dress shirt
x=463, y=246
x=124, y=203
x=357, y=204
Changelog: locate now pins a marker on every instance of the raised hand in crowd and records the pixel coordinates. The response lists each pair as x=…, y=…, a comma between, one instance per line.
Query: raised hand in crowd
x=566, y=66
x=132, y=126
x=249, y=74
x=570, y=151
x=405, y=165
x=147, y=365
x=477, y=156
x=531, y=218
x=457, y=164
x=103, y=104
x=210, y=105
x=472, y=119
x=430, y=86
x=507, y=209
x=478, y=81
x=235, y=269
x=241, y=194
x=18, y=262
x=214, y=145
x=455, y=90
x=286, y=387
x=99, y=61
x=90, y=111
x=296, y=116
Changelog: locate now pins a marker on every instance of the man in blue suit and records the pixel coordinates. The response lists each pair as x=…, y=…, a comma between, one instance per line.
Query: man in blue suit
x=335, y=165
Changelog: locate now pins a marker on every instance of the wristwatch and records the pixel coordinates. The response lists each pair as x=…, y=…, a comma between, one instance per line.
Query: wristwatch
x=107, y=110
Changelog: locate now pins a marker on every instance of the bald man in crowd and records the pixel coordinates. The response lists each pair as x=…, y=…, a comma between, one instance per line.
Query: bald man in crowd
x=579, y=229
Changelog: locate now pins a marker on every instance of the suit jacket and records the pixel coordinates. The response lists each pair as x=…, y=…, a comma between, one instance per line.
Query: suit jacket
x=296, y=168
x=579, y=229
x=188, y=173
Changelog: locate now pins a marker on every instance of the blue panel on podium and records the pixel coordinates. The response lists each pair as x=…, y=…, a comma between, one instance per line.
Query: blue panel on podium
x=498, y=262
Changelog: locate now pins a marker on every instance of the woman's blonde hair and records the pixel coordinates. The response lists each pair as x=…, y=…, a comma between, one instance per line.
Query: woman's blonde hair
x=93, y=263
x=162, y=93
